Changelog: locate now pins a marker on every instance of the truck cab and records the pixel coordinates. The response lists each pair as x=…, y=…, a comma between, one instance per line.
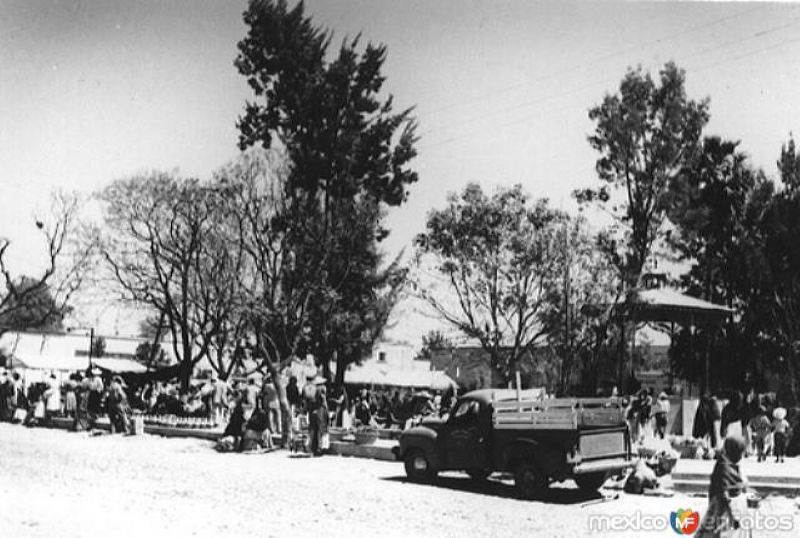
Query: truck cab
x=540, y=441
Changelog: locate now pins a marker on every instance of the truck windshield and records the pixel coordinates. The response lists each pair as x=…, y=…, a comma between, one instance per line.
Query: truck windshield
x=469, y=407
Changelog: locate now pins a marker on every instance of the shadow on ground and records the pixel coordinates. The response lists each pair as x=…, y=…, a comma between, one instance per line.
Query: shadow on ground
x=497, y=487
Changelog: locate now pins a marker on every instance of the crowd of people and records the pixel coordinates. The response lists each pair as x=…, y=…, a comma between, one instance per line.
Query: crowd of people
x=766, y=427
x=82, y=397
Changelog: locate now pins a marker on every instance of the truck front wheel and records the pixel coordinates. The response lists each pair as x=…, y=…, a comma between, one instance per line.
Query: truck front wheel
x=529, y=482
x=418, y=467
x=591, y=481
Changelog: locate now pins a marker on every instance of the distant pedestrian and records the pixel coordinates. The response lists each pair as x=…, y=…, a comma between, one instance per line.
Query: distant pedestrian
x=271, y=405
x=118, y=408
x=249, y=398
x=95, y=398
x=661, y=415
x=82, y=391
x=52, y=400
x=732, y=416
x=703, y=426
x=760, y=428
x=293, y=395
x=780, y=427
x=6, y=409
x=219, y=399
x=70, y=398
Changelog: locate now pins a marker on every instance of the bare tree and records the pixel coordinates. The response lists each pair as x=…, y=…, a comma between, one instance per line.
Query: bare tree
x=275, y=291
x=34, y=301
x=170, y=245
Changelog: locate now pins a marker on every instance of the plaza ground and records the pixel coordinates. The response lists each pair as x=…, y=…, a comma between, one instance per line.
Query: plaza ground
x=57, y=483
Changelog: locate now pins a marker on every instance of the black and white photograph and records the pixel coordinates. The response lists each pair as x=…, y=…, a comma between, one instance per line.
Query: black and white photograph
x=399, y=268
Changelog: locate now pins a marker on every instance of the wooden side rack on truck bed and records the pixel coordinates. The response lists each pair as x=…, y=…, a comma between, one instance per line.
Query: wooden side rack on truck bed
x=558, y=413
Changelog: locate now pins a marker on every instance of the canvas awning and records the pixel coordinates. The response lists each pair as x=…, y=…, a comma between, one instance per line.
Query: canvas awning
x=379, y=374
x=67, y=363
x=120, y=366
x=669, y=305
x=61, y=363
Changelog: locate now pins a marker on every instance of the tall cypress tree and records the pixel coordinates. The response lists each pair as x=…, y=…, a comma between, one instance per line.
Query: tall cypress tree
x=349, y=152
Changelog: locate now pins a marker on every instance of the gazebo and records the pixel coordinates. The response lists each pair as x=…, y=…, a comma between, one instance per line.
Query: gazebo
x=667, y=305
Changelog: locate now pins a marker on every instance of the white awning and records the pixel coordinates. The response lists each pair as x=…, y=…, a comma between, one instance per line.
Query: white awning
x=50, y=362
x=119, y=366
x=372, y=373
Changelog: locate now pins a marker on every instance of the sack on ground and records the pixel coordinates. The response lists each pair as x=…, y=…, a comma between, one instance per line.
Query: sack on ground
x=226, y=444
x=642, y=477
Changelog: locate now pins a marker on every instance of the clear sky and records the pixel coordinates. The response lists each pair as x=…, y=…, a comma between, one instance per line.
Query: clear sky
x=93, y=91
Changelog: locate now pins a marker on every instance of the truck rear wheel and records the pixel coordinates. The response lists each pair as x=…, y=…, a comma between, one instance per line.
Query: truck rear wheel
x=418, y=467
x=529, y=482
x=591, y=481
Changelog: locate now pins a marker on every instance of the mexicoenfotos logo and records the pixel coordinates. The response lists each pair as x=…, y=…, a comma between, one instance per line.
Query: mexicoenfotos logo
x=684, y=521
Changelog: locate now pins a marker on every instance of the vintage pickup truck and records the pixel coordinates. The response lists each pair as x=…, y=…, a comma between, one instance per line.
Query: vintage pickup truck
x=538, y=440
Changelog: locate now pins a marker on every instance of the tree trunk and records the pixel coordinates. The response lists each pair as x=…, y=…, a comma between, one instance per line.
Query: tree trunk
x=280, y=388
x=341, y=366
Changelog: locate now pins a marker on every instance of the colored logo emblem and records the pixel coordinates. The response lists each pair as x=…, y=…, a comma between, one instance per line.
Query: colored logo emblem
x=684, y=521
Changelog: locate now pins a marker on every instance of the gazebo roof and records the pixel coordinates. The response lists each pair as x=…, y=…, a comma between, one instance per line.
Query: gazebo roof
x=666, y=304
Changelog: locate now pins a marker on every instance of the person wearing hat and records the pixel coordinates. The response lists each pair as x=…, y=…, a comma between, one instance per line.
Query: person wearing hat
x=94, y=403
x=52, y=397
x=781, y=429
x=117, y=403
x=661, y=414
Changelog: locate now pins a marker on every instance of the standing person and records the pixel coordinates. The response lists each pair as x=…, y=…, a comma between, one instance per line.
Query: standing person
x=293, y=395
x=236, y=422
x=20, y=403
x=781, y=428
x=703, y=426
x=206, y=394
x=271, y=405
x=9, y=394
x=219, y=400
x=249, y=398
x=645, y=411
x=363, y=412
x=5, y=411
x=731, y=416
x=118, y=409
x=726, y=483
x=632, y=416
x=82, y=390
x=759, y=430
x=52, y=401
x=70, y=398
x=309, y=394
x=311, y=401
x=95, y=398
x=323, y=441
x=661, y=415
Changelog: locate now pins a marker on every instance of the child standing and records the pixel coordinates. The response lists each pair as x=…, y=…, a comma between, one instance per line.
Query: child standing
x=781, y=428
x=760, y=428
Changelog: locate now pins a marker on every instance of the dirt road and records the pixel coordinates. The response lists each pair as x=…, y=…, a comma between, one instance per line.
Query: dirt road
x=60, y=484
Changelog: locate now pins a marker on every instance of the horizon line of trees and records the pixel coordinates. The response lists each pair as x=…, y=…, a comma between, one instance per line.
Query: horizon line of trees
x=279, y=254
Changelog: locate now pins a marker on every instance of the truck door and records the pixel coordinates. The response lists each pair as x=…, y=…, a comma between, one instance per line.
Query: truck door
x=463, y=440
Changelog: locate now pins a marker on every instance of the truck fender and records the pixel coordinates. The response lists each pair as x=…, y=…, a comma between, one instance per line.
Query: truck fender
x=419, y=438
